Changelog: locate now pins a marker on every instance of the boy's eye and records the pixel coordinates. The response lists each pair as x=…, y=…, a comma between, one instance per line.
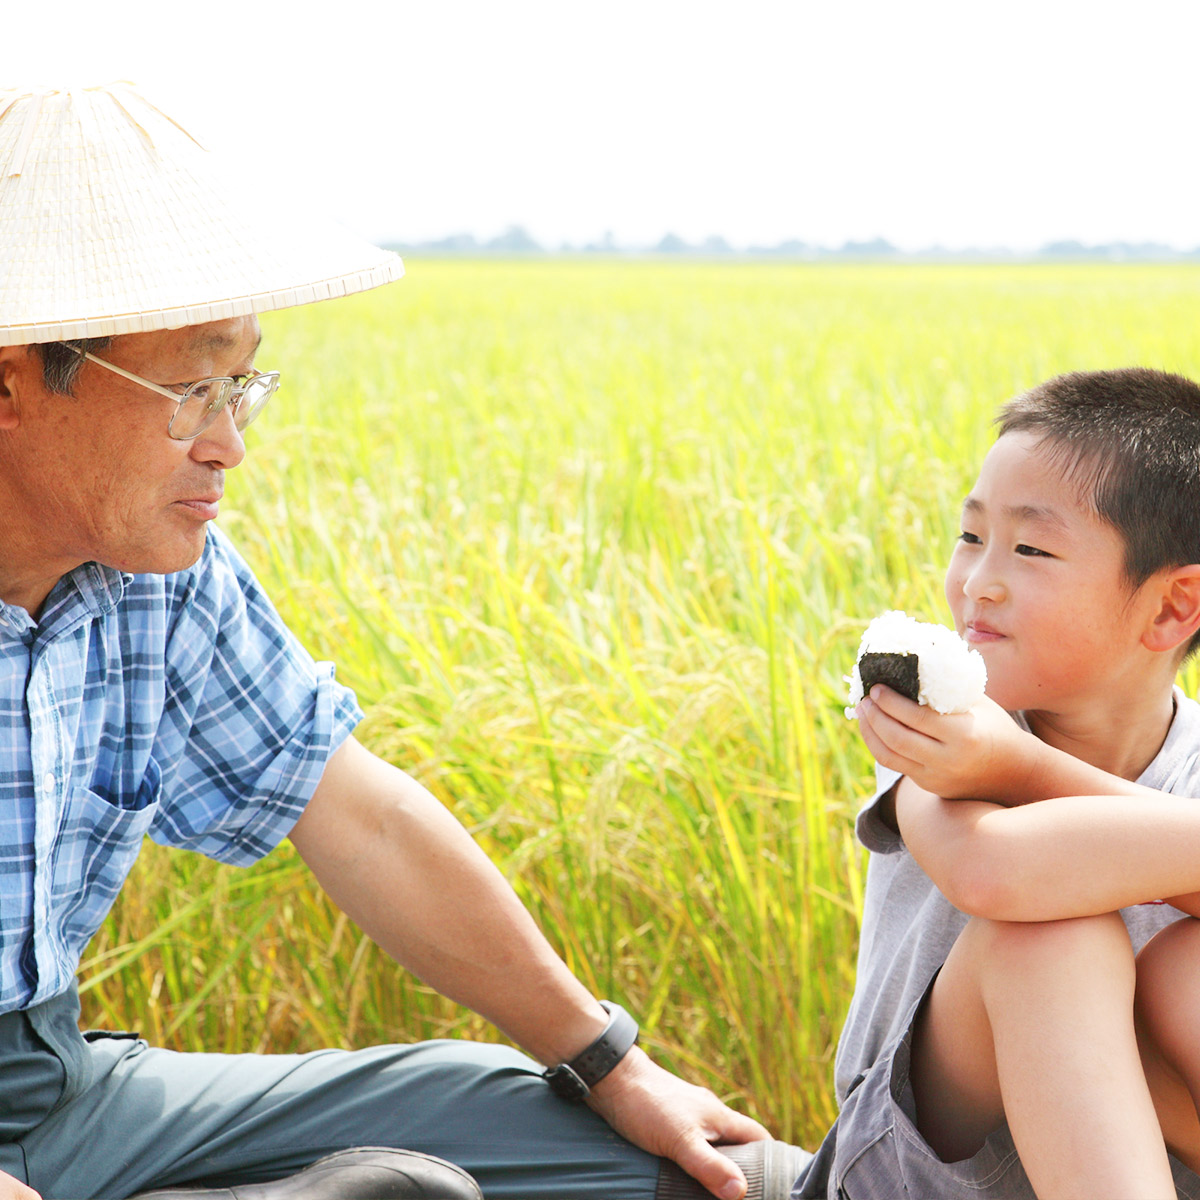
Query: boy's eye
x=969, y=538
x=1033, y=552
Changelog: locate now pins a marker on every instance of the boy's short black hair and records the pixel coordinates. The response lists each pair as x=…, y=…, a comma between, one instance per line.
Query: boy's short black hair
x=1130, y=439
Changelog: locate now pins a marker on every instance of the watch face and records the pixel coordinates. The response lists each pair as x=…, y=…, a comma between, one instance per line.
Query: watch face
x=565, y=1083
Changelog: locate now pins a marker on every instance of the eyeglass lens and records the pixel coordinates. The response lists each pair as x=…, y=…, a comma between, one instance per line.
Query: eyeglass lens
x=203, y=401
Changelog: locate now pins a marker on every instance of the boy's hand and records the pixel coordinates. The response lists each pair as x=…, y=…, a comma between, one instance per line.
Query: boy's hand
x=981, y=754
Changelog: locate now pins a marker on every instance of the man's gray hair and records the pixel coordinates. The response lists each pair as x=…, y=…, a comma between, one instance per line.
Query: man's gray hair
x=61, y=361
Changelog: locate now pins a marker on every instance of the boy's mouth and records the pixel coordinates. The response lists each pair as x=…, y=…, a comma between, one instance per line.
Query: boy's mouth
x=980, y=632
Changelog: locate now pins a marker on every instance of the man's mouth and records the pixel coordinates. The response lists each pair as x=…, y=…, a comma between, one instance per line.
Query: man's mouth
x=205, y=507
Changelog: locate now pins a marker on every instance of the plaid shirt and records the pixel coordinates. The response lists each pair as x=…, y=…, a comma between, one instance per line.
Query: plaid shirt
x=177, y=706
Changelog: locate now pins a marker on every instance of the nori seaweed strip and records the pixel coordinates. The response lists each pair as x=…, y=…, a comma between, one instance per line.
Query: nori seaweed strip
x=897, y=671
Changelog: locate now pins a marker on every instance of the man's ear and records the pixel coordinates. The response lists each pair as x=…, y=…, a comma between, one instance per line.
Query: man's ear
x=14, y=370
x=1178, y=616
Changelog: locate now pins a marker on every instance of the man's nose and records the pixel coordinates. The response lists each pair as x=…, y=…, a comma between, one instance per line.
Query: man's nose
x=221, y=443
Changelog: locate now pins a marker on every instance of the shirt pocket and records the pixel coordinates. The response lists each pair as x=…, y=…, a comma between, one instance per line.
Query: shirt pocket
x=98, y=843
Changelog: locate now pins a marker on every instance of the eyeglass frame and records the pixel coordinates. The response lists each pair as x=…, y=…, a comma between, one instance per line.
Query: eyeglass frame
x=234, y=398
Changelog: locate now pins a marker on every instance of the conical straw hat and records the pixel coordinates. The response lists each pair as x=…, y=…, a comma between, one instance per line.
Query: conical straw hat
x=114, y=219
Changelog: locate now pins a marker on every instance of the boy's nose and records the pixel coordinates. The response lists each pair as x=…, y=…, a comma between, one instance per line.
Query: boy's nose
x=983, y=584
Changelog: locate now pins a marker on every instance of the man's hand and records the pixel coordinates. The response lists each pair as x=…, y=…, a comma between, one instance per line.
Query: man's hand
x=14, y=1189
x=666, y=1116
x=981, y=754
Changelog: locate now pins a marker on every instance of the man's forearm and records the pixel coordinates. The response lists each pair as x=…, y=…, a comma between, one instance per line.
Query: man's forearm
x=398, y=863
x=407, y=872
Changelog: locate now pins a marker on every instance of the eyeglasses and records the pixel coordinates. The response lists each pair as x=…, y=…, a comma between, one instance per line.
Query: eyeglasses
x=200, y=403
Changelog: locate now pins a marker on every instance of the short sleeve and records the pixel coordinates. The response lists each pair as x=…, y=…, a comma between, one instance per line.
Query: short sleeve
x=249, y=718
x=873, y=831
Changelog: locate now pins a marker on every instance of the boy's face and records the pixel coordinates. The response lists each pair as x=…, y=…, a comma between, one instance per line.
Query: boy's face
x=1036, y=585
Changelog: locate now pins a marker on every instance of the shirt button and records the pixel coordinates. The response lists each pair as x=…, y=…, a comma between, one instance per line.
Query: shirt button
x=48, y=781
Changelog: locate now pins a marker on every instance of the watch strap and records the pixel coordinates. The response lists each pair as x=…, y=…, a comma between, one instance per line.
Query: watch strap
x=575, y=1079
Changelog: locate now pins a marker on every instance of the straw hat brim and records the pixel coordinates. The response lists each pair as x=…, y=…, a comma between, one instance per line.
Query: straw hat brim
x=114, y=220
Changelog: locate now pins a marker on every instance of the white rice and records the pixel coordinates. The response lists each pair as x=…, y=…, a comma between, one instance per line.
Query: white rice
x=951, y=675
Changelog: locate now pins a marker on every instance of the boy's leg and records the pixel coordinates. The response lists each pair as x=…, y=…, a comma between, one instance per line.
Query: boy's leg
x=1033, y=1024
x=1168, y=990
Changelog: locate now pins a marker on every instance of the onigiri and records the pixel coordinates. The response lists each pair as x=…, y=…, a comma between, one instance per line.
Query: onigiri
x=928, y=663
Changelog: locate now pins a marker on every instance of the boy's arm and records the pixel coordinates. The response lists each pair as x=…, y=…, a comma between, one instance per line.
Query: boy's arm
x=1189, y=903
x=982, y=754
x=1069, y=856
x=1095, y=843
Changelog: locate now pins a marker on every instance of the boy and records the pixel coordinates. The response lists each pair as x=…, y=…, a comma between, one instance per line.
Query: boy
x=1003, y=1039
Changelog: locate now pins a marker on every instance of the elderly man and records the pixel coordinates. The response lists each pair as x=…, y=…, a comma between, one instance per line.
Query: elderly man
x=147, y=686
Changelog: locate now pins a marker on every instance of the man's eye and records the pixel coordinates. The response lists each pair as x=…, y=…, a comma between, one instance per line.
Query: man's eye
x=969, y=538
x=202, y=394
x=1033, y=552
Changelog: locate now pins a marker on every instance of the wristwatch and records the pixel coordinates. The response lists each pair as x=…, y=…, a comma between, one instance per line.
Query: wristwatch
x=575, y=1079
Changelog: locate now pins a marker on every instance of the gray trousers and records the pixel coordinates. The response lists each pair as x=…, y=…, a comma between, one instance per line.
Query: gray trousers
x=103, y=1115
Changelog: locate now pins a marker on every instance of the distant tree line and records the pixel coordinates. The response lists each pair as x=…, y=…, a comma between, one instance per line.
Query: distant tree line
x=516, y=240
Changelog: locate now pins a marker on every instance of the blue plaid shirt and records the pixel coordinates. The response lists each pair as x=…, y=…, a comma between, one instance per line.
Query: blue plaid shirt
x=177, y=706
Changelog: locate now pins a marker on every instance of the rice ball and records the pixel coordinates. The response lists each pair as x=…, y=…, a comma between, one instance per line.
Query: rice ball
x=928, y=663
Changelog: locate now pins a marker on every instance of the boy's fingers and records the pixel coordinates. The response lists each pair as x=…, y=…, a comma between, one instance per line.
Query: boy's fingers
x=920, y=717
x=883, y=742
x=897, y=721
x=909, y=712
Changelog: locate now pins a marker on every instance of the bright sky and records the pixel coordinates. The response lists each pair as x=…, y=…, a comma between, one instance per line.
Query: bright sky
x=956, y=122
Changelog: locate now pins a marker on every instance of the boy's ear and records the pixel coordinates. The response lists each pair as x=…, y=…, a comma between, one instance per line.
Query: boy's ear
x=1178, y=616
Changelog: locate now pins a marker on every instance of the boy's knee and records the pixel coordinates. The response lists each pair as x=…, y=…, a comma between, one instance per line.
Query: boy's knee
x=1012, y=948
x=1168, y=987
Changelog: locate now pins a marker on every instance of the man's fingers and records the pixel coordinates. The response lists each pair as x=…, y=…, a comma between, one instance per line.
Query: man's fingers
x=737, y=1129
x=719, y=1174
x=673, y=1119
x=697, y=1155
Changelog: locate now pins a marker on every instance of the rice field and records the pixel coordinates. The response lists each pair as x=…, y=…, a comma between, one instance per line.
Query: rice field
x=595, y=543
